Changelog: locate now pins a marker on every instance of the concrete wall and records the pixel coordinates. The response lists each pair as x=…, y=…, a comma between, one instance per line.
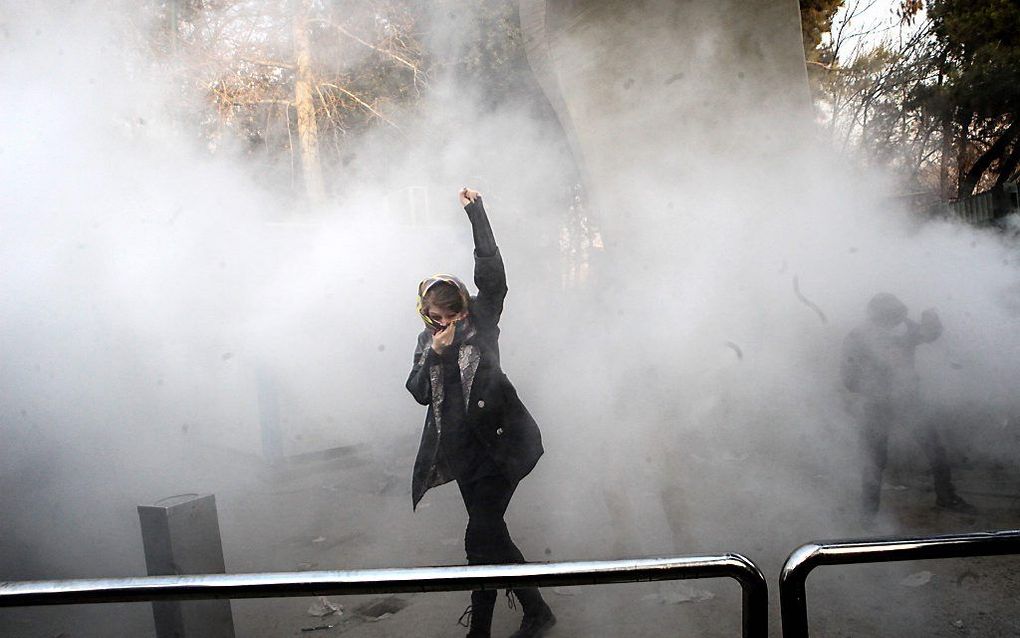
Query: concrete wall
x=648, y=90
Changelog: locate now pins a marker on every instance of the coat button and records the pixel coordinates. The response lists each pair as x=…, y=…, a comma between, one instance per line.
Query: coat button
x=481, y=404
x=499, y=431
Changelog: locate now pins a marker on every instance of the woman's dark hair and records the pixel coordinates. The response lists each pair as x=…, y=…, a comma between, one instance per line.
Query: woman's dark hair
x=444, y=295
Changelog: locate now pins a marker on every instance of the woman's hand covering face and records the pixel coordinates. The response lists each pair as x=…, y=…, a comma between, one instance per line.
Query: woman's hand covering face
x=444, y=338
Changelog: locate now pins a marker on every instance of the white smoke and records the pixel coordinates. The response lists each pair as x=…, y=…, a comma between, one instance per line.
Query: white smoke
x=689, y=399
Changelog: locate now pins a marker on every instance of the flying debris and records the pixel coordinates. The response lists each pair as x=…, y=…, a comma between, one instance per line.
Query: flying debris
x=807, y=302
x=735, y=348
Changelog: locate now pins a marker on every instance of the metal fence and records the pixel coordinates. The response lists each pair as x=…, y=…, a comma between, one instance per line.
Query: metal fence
x=391, y=581
x=981, y=209
x=792, y=595
x=792, y=581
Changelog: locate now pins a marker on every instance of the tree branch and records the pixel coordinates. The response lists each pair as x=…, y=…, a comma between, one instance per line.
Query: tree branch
x=1008, y=167
x=386, y=52
x=273, y=63
x=363, y=103
x=994, y=152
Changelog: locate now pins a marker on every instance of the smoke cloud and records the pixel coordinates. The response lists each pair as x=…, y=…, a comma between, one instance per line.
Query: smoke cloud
x=156, y=298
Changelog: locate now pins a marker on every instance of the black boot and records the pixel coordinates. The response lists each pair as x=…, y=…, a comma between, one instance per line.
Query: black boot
x=538, y=618
x=480, y=614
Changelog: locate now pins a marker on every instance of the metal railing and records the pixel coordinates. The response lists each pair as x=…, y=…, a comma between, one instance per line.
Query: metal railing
x=792, y=596
x=391, y=581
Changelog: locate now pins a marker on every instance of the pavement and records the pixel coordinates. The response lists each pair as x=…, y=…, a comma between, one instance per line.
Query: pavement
x=356, y=513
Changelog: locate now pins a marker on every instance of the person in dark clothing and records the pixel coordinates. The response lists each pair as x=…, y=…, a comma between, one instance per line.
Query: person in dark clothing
x=878, y=367
x=477, y=431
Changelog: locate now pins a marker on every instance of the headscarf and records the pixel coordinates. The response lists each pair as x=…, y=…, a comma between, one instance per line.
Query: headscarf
x=423, y=288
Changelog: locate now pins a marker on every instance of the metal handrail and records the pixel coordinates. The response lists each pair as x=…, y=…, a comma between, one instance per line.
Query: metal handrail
x=792, y=579
x=389, y=581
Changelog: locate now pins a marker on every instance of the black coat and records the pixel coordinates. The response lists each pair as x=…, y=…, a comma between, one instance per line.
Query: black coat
x=878, y=361
x=495, y=414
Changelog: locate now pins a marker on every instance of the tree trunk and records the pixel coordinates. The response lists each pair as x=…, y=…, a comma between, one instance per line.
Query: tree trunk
x=947, y=150
x=961, y=154
x=304, y=103
x=947, y=136
x=969, y=183
x=1009, y=165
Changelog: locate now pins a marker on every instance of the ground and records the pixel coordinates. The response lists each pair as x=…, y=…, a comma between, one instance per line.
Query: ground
x=356, y=514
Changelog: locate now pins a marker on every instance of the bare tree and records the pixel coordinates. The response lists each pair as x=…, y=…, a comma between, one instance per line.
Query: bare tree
x=867, y=95
x=304, y=104
x=285, y=76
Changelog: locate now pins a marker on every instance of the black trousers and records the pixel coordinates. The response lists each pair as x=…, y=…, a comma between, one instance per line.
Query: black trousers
x=487, y=539
x=488, y=542
x=879, y=417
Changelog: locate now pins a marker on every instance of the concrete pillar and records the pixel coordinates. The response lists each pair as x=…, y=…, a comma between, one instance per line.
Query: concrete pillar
x=680, y=93
x=269, y=414
x=181, y=535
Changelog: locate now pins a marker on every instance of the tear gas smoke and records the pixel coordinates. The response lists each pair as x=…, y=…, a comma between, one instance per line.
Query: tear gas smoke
x=148, y=286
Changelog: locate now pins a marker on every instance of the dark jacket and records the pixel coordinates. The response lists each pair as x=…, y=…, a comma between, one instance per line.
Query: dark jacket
x=495, y=414
x=878, y=361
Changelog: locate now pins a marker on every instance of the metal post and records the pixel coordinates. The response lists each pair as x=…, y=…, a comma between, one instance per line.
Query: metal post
x=755, y=596
x=181, y=535
x=792, y=579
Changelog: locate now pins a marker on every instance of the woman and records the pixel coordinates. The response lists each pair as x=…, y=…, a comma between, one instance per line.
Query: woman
x=477, y=431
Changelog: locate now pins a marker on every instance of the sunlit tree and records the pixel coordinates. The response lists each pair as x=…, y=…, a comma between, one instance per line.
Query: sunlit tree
x=293, y=78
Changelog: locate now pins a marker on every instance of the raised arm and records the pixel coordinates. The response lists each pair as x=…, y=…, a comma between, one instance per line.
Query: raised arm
x=490, y=275
x=925, y=331
x=930, y=327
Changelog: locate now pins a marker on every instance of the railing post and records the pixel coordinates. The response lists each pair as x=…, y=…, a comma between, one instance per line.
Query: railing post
x=793, y=593
x=792, y=579
x=181, y=535
x=754, y=593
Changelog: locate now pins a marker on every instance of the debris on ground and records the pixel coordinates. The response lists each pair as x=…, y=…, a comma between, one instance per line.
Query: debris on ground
x=679, y=594
x=381, y=608
x=563, y=591
x=958, y=624
x=393, y=483
x=324, y=607
x=319, y=627
x=917, y=579
x=319, y=539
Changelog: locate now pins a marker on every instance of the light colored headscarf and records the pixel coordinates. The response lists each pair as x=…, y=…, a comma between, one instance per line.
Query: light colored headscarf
x=426, y=284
